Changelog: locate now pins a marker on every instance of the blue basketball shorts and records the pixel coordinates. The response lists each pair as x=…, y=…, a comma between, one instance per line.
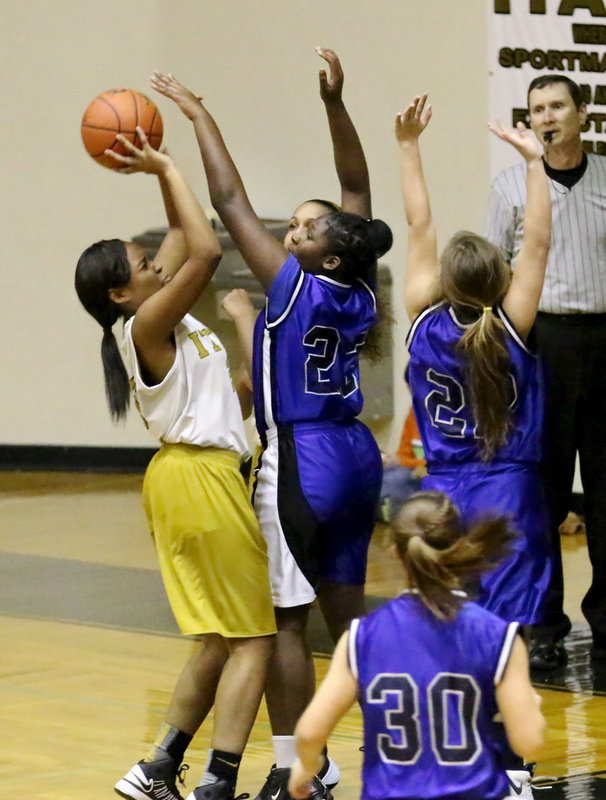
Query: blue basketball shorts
x=515, y=590
x=316, y=493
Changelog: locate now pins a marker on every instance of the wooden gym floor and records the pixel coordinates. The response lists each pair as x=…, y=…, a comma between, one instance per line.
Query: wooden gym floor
x=90, y=652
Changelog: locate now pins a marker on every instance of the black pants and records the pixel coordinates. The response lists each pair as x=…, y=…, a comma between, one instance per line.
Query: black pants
x=573, y=350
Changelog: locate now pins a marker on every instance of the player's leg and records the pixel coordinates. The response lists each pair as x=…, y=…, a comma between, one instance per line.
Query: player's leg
x=211, y=593
x=291, y=675
x=289, y=688
x=194, y=693
x=340, y=603
x=155, y=777
x=289, y=526
x=353, y=466
x=237, y=700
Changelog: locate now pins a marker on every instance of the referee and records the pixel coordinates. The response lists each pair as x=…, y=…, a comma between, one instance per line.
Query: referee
x=570, y=337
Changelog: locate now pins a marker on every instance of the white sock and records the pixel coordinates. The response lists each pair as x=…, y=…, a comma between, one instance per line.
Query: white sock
x=285, y=751
x=332, y=775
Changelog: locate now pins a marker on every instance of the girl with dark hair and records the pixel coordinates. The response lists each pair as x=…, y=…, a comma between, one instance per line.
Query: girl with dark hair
x=431, y=670
x=477, y=389
x=319, y=480
x=212, y=555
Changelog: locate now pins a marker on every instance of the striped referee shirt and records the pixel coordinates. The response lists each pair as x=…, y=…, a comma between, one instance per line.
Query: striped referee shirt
x=575, y=281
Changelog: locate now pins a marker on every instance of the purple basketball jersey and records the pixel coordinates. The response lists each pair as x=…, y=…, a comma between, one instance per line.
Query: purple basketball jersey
x=427, y=693
x=305, y=357
x=439, y=393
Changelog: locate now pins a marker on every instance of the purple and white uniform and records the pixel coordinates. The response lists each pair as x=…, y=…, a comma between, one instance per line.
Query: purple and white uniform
x=318, y=484
x=427, y=693
x=509, y=484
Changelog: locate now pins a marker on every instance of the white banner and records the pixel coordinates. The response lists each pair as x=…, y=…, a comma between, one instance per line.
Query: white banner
x=528, y=38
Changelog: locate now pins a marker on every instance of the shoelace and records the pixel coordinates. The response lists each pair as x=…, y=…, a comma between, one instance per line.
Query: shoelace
x=181, y=773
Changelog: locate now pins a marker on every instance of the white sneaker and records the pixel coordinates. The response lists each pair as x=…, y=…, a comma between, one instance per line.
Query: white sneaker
x=150, y=781
x=520, y=787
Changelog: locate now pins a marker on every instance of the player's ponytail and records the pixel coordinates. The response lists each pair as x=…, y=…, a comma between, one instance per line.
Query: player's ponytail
x=441, y=557
x=474, y=278
x=101, y=267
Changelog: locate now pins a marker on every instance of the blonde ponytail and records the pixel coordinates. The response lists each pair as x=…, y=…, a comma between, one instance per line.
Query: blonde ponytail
x=474, y=278
x=486, y=366
x=440, y=555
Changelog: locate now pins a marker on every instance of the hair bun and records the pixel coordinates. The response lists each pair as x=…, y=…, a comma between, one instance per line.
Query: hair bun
x=381, y=236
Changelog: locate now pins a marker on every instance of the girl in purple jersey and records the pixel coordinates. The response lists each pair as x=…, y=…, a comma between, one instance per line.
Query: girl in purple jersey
x=408, y=660
x=476, y=389
x=319, y=482
x=470, y=373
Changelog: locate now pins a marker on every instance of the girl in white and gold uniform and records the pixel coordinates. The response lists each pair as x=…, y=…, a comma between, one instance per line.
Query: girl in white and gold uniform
x=211, y=553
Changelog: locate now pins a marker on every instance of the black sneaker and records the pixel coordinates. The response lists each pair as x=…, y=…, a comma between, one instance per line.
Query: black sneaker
x=154, y=780
x=276, y=787
x=548, y=655
x=220, y=790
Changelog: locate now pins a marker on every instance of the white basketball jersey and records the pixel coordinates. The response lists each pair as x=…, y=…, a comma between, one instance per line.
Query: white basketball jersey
x=196, y=402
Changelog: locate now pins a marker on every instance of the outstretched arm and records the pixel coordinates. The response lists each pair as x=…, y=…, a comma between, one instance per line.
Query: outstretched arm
x=172, y=252
x=522, y=299
x=336, y=694
x=348, y=153
x=422, y=260
x=237, y=304
x=263, y=254
x=157, y=316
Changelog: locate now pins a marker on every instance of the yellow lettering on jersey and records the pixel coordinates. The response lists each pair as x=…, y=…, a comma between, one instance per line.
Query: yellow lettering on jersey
x=207, y=332
x=196, y=338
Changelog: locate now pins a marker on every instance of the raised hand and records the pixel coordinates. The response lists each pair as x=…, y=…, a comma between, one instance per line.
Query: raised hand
x=520, y=137
x=331, y=85
x=411, y=123
x=143, y=159
x=165, y=83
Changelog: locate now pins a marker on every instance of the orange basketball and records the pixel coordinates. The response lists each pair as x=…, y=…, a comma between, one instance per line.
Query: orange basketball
x=119, y=111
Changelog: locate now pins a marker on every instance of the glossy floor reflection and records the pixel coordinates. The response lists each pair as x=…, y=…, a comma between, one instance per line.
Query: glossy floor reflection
x=580, y=787
x=94, y=653
x=581, y=674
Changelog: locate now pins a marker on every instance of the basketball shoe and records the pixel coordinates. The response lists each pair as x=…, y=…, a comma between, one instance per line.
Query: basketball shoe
x=220, y=790
x=153, y=780
x=520, y=787
x=276, y=787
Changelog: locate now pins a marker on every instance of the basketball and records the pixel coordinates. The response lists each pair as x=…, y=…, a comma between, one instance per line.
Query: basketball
x=119, y=111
